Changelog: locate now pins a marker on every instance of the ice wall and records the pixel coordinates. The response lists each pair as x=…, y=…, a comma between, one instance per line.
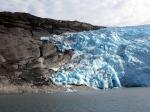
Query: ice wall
x=106, y=58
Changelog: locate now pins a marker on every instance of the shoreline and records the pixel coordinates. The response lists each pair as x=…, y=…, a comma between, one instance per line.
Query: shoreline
x=27, y=88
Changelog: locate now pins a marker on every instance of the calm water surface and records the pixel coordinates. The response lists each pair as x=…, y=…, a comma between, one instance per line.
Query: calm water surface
x=116, y=100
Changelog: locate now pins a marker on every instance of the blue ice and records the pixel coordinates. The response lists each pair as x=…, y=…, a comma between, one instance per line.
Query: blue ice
x=105, y=58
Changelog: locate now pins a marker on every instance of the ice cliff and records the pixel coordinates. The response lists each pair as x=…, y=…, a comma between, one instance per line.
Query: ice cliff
x=105, y=58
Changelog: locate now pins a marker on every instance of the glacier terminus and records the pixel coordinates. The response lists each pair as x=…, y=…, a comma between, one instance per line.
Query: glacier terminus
x=105, y=58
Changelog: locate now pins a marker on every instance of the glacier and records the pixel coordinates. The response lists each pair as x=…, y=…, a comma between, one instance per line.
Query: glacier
x=105, y=58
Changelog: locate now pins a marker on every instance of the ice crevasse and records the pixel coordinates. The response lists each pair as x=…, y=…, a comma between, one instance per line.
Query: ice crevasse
x=105, y=58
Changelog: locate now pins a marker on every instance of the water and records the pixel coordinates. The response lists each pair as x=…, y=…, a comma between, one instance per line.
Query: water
x=116, y=100
x=106, y=58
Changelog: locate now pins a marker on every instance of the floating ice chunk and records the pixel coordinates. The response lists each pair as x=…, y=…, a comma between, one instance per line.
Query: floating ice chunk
x=70, y=90
x=44, y=38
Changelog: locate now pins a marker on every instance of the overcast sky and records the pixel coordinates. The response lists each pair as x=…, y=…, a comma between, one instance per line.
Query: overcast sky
x=98, y=12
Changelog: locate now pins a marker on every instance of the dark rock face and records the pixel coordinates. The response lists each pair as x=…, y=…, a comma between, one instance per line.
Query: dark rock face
x=26, y=59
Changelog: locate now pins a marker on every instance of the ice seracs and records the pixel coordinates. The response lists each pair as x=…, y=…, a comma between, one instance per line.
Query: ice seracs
x=105, y=58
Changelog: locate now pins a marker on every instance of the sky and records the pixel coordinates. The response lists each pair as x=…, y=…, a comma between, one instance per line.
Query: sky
x=97, y=12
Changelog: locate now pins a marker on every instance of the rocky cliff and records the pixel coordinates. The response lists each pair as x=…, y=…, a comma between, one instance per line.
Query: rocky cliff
x=24, y=58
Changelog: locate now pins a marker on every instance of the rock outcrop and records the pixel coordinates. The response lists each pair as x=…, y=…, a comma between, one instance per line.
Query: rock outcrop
x=24, y=58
